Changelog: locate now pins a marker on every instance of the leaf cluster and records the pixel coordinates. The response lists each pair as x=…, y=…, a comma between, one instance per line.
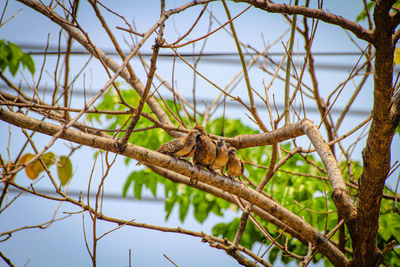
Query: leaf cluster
x=34, y=169
x=11, y=56
x=150, y=138
x=389, y=230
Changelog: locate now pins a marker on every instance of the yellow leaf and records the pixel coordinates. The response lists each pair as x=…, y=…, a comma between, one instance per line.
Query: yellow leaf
x=397, y=56
x=64, y=169
x=48, y=158
x=34, y=169
x=25, y=158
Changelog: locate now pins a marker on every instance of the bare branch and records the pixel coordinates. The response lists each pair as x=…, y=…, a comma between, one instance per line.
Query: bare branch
x=7, y=260
x=253, y=109
x=145, y=96
x=119, y=70
x=355, y=28
x=288, y=65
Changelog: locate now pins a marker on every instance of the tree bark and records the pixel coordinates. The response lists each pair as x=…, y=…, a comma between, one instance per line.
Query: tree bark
x=376, y=154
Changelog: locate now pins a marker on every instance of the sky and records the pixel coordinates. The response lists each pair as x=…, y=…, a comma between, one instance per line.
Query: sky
x=62, y=244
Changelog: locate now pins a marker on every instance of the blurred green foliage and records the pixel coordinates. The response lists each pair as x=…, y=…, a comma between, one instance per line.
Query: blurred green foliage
x=363, y=14
x=307, y=195
x=11, y=56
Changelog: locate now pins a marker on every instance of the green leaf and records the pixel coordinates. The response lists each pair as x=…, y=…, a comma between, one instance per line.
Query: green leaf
x=64, y=169
x=216, y=209
x=27, y=62
x=183, y=207
x=200, y=205
x=327, y=263
x=4, y=52
x=200, y=211
x=169, y=204
x=273, y=254
x=390, y=226
x=285, y=259
x=385, y=225
x=13, y=67
x=137, y=190
x=48, y=158
x=363, y=14
x=152, y=185
x=141, y=178
x=127, y=184
x=11, y=56
x=170, y=189
x=14, y=58
x=392, y=258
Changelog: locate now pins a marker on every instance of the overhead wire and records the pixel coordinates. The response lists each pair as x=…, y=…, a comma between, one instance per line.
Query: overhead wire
x=208, y=57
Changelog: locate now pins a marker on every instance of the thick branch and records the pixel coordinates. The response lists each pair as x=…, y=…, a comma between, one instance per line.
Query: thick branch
x=355, y=28
x=145, y=155
x=340, y=194
x=269, y=138
x=376, y=154
x=178, y=178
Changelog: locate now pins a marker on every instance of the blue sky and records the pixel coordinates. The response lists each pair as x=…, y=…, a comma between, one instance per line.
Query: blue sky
x=62, y=243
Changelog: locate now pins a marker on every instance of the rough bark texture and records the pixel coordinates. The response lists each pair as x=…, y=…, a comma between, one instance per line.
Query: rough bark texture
x=376, y=154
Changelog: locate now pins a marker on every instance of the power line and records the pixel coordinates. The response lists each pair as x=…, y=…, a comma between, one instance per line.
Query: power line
x=205, y=101
x=77, y=193
x=207, y=57
x=36, y=49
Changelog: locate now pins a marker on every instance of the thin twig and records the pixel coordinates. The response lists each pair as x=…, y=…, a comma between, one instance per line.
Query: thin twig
x=253, y=109
x=288, y=65
x=176, y=265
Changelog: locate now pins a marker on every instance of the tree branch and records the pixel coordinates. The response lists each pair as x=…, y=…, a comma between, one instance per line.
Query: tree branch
x=148, y=156
x=110, y=63
x=395, y=109
x=269, y=138
x=376, y=154
x=178, y=178
x=143, y=98
x=355, y=28
x=340, y=194
x=7, y=260
x=253, y=109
